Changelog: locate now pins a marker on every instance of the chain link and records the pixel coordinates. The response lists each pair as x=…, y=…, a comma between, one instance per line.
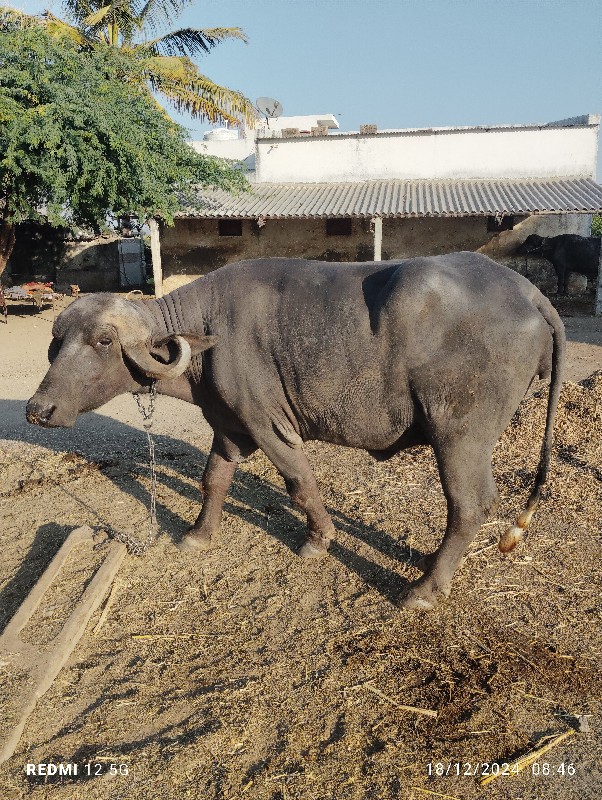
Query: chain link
x=135, y=546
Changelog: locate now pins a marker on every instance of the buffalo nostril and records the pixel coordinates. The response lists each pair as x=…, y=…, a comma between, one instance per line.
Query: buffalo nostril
x=47, y=413
x=39, y=414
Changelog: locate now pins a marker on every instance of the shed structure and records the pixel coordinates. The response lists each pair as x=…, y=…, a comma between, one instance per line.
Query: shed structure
x=394, y=194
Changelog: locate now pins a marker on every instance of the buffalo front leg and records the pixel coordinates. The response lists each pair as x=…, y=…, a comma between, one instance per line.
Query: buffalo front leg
x=215, y=483
x=471, y=496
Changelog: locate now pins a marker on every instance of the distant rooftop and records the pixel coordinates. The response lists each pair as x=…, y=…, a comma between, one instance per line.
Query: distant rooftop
x=585, y=120
x=304, y=123
x=265, y=127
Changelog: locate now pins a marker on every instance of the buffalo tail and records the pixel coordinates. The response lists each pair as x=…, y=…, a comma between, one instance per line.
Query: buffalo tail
x=514, y=534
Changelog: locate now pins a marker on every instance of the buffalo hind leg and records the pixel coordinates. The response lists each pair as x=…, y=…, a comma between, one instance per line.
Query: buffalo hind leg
x=302, y=487
x=471, y=496
x=305, y=495
x=217, y=477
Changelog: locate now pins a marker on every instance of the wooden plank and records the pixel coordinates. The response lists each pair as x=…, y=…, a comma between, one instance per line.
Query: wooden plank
x=42, y=663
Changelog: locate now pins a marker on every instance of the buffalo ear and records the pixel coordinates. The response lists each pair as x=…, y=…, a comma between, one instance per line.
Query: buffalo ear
x=198, y=344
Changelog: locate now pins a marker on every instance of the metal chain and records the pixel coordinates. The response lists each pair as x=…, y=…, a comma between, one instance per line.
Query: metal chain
x=135, y=546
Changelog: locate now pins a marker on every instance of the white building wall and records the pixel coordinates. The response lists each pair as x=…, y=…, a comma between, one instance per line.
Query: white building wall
x=242, y=148
x=496, y=153
x=235, y=149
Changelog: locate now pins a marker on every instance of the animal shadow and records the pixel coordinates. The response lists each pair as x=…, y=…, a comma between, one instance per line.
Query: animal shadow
x=101, y=441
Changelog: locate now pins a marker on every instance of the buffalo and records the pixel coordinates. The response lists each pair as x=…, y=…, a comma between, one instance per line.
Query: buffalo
x=567, y=253
x=432, y=351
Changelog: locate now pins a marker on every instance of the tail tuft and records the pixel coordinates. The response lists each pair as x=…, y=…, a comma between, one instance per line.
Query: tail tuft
x=514, y=535
x=510, y=538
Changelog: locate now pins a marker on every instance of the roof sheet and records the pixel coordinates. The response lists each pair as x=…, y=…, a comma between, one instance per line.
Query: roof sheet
x=403, y=198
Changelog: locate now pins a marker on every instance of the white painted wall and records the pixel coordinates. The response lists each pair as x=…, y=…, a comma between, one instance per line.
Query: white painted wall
x=443, y=153
x=235, y=149
x=243, y=147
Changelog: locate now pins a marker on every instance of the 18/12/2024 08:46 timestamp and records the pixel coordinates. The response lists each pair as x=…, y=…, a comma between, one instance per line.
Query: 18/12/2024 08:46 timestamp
x=484, y=769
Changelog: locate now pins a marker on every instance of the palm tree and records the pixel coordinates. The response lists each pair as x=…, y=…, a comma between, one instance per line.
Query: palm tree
x=167, y=62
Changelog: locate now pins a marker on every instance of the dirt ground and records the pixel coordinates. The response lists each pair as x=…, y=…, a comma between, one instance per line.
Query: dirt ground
x=260, y=675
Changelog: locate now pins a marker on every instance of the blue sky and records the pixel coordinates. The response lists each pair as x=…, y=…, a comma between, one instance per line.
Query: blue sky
x=408, y=63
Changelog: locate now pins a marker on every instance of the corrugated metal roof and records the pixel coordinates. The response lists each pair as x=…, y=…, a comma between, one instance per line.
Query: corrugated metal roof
x=403, y=198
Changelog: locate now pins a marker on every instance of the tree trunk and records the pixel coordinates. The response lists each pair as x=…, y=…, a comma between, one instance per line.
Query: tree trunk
x=7, y=242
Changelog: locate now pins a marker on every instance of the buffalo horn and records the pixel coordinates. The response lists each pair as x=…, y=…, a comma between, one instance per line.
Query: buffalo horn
x=141, y=357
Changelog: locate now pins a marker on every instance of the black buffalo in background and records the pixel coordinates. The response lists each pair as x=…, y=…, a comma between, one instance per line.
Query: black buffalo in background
x=567, y=253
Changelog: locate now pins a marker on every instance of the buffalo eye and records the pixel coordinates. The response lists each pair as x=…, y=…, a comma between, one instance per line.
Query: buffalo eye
x=105, y=341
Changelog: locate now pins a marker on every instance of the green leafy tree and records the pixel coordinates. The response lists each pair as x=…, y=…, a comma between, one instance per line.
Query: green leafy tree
x=136, y=26
x=79, y=145
x=597, y=226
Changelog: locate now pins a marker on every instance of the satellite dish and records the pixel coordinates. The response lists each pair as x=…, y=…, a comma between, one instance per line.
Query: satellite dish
x=269, y=107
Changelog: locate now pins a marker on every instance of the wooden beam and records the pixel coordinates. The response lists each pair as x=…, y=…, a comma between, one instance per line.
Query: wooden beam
x=153, y=224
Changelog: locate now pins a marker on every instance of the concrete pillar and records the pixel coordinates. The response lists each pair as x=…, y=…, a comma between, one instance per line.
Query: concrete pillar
x=598, y=306
x=156, y=256
x=377, y=223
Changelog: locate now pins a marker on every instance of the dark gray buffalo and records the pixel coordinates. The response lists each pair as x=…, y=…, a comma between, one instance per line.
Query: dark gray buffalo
x=567, y=253
x=380, y=356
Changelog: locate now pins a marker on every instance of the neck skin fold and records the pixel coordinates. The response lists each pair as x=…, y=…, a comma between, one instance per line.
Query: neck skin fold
x=169, y=315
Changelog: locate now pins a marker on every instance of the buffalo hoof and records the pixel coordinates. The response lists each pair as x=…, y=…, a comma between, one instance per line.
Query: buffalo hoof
x=421, y=596
x=192, y=541
x=415, y=602
x=315, y=546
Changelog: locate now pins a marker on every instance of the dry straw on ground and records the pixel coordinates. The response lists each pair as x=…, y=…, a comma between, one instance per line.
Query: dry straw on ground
x=230, y=675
